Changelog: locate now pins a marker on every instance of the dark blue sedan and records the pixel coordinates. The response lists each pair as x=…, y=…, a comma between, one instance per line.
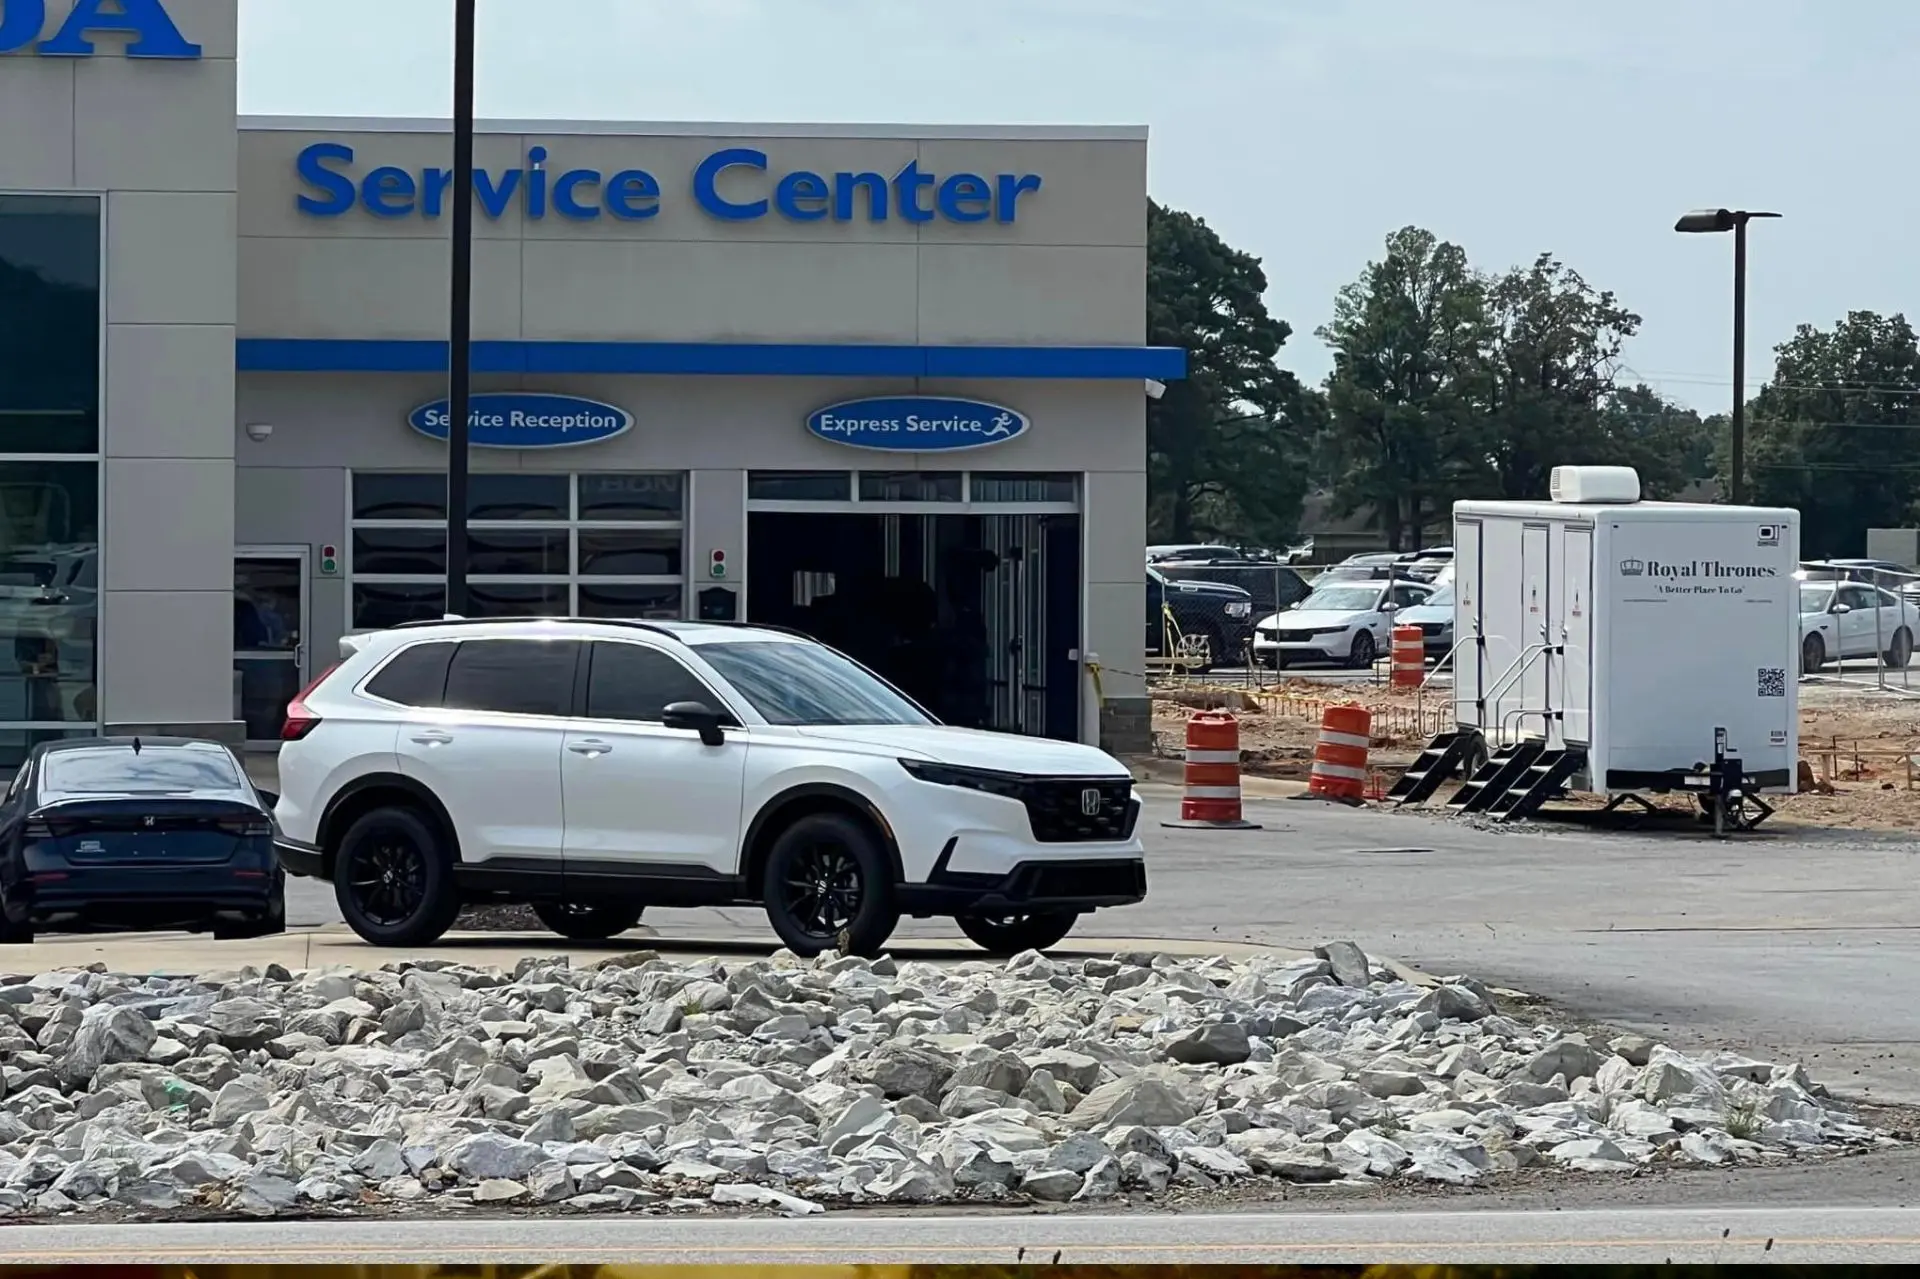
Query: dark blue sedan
x=137, y=833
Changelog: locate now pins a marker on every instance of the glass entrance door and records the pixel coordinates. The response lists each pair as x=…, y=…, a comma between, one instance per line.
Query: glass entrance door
x=269, y=637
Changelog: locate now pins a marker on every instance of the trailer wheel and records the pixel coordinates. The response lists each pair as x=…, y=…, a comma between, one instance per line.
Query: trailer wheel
x=1813, y=655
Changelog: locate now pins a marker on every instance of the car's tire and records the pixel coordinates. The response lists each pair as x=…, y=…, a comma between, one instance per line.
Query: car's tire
x=1364, y=652
x=588, y=922
x=1900, y=652
x=1813, y=655
x=393, y=879
x=828, y=883
x=1006, y=935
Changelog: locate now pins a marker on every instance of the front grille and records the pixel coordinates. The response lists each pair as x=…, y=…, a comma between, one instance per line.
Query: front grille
x=1057, y=809
x=1433, y=628
x=1082, y=881
x=1292, y=637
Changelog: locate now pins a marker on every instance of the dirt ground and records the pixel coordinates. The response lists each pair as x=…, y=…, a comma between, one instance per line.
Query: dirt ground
x=1859, y=745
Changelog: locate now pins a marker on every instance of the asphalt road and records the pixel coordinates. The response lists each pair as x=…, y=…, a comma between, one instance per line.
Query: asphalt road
x=1794, y=945
x=1827, y=1234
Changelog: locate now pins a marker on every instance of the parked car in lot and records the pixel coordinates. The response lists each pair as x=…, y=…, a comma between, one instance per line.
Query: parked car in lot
x=1423, y=565
x=598, y=769
x=1272, y=586
x=1849, y=620
x=135, y=833
x=1434, y=617
x=1348, y=623
x=1214, y=618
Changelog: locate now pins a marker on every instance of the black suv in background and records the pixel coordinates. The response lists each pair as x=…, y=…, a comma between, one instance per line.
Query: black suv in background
x=1220, y=612
x=1273, y=586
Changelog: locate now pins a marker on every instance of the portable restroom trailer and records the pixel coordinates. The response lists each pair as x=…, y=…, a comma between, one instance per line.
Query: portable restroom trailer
x=1621, y=647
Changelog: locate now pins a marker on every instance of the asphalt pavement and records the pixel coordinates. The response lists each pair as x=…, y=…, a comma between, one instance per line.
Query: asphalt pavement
x=1614, y=1235
x=1789, y=943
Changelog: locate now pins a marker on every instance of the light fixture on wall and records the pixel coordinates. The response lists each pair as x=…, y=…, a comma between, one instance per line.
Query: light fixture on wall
x=259, y=431
x=1155, y=388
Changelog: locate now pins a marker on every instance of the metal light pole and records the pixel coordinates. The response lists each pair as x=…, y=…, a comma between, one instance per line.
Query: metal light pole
x=460, y=322
x=1734, y=220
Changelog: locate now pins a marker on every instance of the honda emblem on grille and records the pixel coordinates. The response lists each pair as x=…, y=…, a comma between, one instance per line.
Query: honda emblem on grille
x=146, y=821
x=1090, y=802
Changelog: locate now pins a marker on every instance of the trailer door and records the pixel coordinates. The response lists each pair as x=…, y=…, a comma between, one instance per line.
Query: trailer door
x=1469, y=654
x=1518, y=717
x=1575, y=631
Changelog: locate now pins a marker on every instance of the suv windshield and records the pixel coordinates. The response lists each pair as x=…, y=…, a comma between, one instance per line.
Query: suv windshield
x=1359, y=598
x=795, y=683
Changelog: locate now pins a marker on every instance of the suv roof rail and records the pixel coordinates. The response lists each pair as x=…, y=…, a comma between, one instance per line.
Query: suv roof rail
x=653, y=628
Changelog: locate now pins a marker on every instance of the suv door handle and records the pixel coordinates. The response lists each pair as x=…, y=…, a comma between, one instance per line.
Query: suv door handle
x=589, y=746
x=433, y=737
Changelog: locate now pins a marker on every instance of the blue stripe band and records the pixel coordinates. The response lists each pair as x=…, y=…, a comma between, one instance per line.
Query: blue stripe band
x=327, y=355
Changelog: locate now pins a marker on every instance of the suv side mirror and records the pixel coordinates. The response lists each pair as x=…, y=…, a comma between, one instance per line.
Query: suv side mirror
x=1389, y=607
x=699, y=717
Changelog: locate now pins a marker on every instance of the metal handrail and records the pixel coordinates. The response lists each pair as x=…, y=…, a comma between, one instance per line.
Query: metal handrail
x=1514, y=671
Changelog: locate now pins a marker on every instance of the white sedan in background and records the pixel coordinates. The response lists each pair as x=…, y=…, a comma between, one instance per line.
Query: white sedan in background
x=1348, y=623
x=1853, y=620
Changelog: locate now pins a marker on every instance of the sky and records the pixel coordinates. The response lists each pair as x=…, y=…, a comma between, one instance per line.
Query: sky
x=1303, y=131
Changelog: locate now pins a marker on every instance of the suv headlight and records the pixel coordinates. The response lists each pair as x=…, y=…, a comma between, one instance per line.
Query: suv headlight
x=1005, y=785
x=1239, y=608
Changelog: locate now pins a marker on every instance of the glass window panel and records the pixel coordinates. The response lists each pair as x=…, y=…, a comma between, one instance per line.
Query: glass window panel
x=513, y=677
x=496, y=495
x=389, y=496
x=49, y=596
x=630, y=552
x=632, y=497
x=799, y=486
x=648, y=603
x=1023, y=486
x=49, y=323
x=389, y=604
x=636, y=683
x=909, y=486
x=17, y=743
x=400, y=551
x=416, y=676
x=519, y=552
x=497, y=600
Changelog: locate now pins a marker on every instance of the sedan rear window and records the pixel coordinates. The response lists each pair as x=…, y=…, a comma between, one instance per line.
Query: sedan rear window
x=156, y=770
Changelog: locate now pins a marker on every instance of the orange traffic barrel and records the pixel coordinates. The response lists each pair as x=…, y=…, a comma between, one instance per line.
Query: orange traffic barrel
x=1211, y=795
x=1409, y=656
x=1340, y=755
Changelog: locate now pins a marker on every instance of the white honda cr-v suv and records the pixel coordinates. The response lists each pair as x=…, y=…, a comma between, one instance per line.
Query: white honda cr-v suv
x=595, y=768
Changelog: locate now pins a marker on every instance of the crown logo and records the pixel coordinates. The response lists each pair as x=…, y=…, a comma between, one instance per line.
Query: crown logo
x=1633, y=568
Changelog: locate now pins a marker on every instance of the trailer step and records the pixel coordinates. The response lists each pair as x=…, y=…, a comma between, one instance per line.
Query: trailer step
x=1444, y=756
x=1495, y=777
x=1543, y=780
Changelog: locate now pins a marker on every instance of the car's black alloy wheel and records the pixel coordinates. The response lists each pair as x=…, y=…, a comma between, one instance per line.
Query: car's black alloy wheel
x=828, y=884
x=393, y=879
x=583, y=922
x=1004, y=935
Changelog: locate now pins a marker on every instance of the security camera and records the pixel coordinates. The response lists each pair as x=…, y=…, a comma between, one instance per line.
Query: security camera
x=1155, y=388
x=259, y=431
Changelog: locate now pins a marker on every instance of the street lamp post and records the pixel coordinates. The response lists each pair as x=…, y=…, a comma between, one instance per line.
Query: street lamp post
x=1735, y=220
x=460, y=321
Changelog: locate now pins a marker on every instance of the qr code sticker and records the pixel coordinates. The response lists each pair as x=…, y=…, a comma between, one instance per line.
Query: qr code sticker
x=1773, y=681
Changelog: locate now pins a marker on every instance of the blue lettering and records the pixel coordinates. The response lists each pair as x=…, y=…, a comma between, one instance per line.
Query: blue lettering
x=844, y=187
x=1011, y=189
x=152, y=33
x=632, y=195
x=965, y=197
x=338, y=188
x=705, y=180
x=434, y=185
x=563, y=199
x=907, y=185
x=537, y=184
x=801, y=196
x=495, y=197
x=387, y=192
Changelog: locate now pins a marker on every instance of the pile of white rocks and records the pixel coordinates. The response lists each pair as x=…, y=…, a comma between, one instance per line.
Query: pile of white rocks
x=651, y=1083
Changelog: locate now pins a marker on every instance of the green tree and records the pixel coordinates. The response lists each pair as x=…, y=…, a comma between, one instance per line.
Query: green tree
x=1666, y=443
x=1225, y=445
x=1836, y=433
x=1407, y=339
x=1551, y=360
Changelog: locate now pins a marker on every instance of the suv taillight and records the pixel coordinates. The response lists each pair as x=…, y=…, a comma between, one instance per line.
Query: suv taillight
x=300, y=721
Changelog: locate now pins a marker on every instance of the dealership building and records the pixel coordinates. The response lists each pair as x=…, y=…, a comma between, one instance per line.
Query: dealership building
x=883, y=384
